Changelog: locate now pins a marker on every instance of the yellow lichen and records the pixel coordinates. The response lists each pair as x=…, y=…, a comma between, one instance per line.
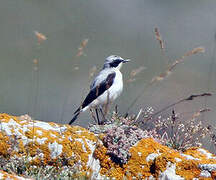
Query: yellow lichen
x=194, y=152
x=4, y=144
x=108, y=167
x=74, y=141
x=6, y=117
x=188, y=169
x=148, y=157
x=139, y=167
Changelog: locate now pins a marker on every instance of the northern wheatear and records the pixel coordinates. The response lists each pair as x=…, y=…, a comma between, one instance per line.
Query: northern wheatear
x=105, y=88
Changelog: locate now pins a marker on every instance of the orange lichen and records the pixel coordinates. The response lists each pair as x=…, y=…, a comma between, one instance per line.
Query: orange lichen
x=4, y=144
x=139, y=153
x=6, y=117
x=139, y=167
x=108, y=167
x=188, y=169
x=196, y=153
x=52, y=144
x=34, y=140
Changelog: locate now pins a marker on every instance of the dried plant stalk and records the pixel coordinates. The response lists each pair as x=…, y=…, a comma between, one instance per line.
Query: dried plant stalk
x=81, y=48
x=92, y=71
x=191, y=97
x=158, y=37
x=198, y=113
x=173, y=65
x=40, y=37
x=189, y=53
x=135, y=72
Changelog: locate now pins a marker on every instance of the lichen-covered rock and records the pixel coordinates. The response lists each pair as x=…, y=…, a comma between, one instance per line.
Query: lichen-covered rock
x=50, y=144
x=4, y=175
x=151, y=160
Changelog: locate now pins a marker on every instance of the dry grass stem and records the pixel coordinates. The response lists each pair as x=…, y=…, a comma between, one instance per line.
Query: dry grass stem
x=173, y=65
x=158, y=37
x=189, y=53
x=35, y=62
x=134, y=73
x=138, y=115
x=81, y=48
x=191, y=97
x=93, y=116
x=198, y=113
x=180, y=133
x=40, y=37
x=92, y=71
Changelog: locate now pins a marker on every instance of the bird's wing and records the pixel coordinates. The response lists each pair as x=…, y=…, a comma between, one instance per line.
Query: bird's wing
x=99, y=89
x=102, y=75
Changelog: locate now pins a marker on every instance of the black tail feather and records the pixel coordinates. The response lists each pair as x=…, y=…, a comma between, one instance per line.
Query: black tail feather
x=74, y=118
x=76, y=114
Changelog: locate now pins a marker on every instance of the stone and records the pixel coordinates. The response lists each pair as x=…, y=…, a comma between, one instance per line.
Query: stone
x=76, y=148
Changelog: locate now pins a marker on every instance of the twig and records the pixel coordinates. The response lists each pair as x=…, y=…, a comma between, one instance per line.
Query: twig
x=197, y=95
x=191, y=97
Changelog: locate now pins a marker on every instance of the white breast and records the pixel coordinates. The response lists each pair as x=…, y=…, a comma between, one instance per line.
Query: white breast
x=112, y=93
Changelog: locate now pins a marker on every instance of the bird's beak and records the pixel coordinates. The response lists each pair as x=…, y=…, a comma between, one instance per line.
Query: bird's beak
x=126, y=60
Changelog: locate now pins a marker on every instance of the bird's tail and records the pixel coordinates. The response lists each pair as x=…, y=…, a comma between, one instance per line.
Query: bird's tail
x=76, y=114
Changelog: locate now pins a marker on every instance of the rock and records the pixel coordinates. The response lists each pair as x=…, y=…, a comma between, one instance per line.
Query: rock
x=4, y=175
x=83, y=153
x=46, y=143
x=149, y=158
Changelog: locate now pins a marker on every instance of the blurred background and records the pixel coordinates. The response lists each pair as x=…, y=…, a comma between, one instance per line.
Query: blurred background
x=47, y=75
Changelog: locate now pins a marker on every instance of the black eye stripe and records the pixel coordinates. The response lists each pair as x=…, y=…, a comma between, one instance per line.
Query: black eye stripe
x=115, y=63
x=119, y=60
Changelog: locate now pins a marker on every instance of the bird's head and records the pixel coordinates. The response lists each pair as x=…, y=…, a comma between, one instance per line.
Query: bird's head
x=114, y=61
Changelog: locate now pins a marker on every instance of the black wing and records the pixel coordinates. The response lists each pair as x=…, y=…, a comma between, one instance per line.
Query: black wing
x=94, y=93
x=98, y=90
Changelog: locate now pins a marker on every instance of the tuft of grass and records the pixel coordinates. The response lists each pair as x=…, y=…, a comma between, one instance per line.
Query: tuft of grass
x=23, y=167
x=181, y=133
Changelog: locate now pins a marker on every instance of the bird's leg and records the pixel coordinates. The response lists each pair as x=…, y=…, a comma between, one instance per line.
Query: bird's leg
x=93, y=116
x=96, y=111
x=103, y=115
x=106, y=105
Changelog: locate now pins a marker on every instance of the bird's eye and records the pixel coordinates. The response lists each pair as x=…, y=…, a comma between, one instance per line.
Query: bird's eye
x=115, y=63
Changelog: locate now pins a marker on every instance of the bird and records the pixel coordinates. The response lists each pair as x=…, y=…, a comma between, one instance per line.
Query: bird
x=105, y=88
